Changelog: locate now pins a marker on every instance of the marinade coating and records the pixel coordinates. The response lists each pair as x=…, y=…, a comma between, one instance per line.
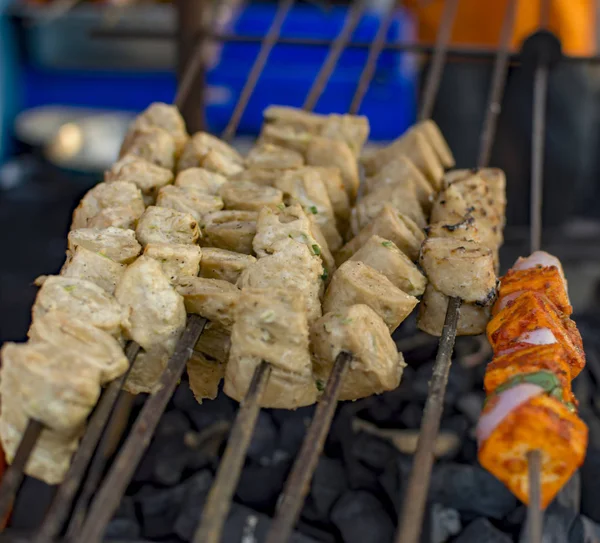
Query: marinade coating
x=164, y=225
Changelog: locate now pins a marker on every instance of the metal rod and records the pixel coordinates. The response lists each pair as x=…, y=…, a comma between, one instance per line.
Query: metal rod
x=535, y=515
x=219, y=498
x=109, y=494
x=337, y=48
x=375, y=50
x=13, y=476
x=498, y=86
x=259, y=64
x=434, y=77
x=540, y=91
x=298, y=482
x=96, y=428
x=413, y=506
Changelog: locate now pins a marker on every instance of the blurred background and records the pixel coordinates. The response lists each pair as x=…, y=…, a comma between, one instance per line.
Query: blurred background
x=74, y=73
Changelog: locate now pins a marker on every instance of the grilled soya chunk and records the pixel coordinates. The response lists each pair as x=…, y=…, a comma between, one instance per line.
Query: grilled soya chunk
x=385, y=257
x=271, y=326
x=292, y=266
x=230, y=230
x=212, y=299
x=472, y=319
x=54, y=386
x=494, y=179
x=464, y=269
x=353, y=130
x=189, y=200
x=401, y=171
x=109, y=204
x=152, y=144
x=177, y=260
x=325, y=152
x=117, y=244
x=258, y=176
x=389, y=225
x=200, y=179
x=402, y=198
x=155, y=321
x=206, y=367
x=148, y=177
x=163, y=116
x=306, y=187
x=266, y=156
x=92, y=345
x=210, y=153
x=101, y=270
x=80, y=299
x=356, y=283
x=285, y=136
x=332, y=179
x=464, y=230
x=376, y=365
x=247, y=196
x=224, y=265
x=164, y=225
x=415, y=145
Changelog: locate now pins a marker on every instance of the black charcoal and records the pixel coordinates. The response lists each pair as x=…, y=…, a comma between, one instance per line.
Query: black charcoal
x=470, y=405
x=590, y=485
x=264, y=438
x=361, y=518
x=123, y=529
x=441, y=523
x=482, y=531
x=328, y=484
x=197, y=488
x=471, y=490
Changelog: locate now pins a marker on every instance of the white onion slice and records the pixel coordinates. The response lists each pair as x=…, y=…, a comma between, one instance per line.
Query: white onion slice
x=508, y=298
x=539, y=336
x=506, y=402
x=538, y=258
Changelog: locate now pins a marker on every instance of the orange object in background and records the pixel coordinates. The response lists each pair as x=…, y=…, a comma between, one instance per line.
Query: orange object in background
x=542, y=423
x=478, y=22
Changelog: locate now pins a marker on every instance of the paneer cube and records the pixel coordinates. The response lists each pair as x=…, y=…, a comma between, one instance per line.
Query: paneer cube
x=230, y=230
x=273, y=157
x=178, y=260
x=152, y=144
x=101, y=270
x=247, y=196
x=189, y=200
x=117, y=244
x=223, y=264
x=200, y=179
x=206, y=151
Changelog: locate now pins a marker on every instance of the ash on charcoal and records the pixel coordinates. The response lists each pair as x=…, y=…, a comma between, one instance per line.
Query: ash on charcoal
x=471, y=490
x=590, y=485
x=160, y=509
x=482, y=531
x=191, y=509
x=440, y=524
x=264, y=438
x=245, y=525
x=362, y=518
x=584, y=530
x=328, y=484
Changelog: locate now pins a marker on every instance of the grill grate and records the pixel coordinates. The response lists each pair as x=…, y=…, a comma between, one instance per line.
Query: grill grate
x=89, y=524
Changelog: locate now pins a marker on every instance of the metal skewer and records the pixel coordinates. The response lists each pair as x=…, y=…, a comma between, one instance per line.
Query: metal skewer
x=413, y=507
x=109, y=494
x=269, y=42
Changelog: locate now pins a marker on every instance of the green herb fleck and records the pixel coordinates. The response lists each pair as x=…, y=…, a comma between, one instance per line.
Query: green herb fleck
x=346, y=321
x=281, y=206
x=268, y=316
x=316, y=249
x=325, y=275
x=387, y=244
x=313, y=210
x=320, y=385
x=69, y=288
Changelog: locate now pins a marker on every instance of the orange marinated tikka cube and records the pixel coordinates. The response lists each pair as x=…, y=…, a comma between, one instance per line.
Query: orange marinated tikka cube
x=544, y=365
x=542, y=423
x=546, y=280
x=532, y=311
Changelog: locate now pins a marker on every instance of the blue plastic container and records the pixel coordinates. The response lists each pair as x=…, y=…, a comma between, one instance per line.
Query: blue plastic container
x=389, y=103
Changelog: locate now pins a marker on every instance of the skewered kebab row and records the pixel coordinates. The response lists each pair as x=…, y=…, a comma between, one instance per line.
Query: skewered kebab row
x=530, y=404
x=460, y=255
x=80, y=318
